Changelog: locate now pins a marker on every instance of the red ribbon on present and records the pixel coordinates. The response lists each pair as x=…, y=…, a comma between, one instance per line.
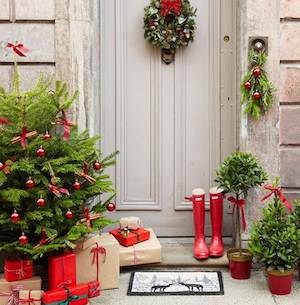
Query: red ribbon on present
x=23, y=137
x=85, y=173
x=58, y=191
x=169, y=6
x=66, y=124
x=4, y=121
x=29, y=300
x=13, y=295
x=277, y=192
x=89, y=218
x=19, y=49
x=239, y=204
x=96, y=251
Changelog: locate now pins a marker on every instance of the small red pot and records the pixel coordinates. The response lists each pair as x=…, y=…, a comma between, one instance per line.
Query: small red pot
x=240, y=265
x=280, y=283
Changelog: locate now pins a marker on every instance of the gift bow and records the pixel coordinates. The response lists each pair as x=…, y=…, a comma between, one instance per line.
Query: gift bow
x=13, y=295
x=96, y=251
x=70, y=298
x=29, y=300
x=239, y=204
x=19, y=49
x=169, y=6
x=66, y=124
x=23, y=137
x=277, y=192
x=57, y=191
x=85, y=173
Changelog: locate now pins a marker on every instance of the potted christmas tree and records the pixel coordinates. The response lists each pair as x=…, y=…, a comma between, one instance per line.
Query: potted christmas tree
x=275, y=241
x=237, y=175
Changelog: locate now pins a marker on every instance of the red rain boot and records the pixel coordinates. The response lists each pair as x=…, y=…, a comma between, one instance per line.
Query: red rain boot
x=200, y=247
x=216, y=248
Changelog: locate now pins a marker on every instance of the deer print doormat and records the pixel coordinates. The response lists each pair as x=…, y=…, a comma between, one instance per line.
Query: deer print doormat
x=176, y=283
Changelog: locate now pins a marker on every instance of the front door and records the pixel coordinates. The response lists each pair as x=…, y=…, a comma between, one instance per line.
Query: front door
x=172, y=124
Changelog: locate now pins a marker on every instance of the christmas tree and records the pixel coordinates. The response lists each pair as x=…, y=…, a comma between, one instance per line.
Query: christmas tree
x=51, y=175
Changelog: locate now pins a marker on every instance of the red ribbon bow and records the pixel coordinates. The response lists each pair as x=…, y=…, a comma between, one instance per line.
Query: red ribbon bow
x=67, y=125
x=239, y=204
x=85, y=173
x=23, y=137
x=29, y=300
x=13, y=295
x=96, y=251
x=19, y=49
x=277, y=192
x=58, y=191
x=169, y=6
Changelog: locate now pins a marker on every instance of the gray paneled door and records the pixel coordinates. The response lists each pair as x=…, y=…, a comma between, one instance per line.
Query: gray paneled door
x=172, y=124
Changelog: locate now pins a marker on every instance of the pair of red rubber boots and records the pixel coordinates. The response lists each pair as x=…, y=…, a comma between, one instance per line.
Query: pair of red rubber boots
x=216, y=248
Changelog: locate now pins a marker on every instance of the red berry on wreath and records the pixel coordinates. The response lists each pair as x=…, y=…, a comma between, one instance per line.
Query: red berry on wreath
x=256, y=72
x=97, y=165
x=257, y=95
x=69, y=214
x=23, y=239
x=76, y=185
x=41, y=152
x=41, y=202
x=30, y=183
x=47, y=136
x=247, y=85
x=15, y=217
x=110, y=207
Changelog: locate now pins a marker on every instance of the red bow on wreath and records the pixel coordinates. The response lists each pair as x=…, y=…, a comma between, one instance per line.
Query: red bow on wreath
x=23, y=137
x=85, y=173
x=57, y=191
x=67, y=125
x=239, y=204
x=277, y=192
x=19, y=49
x=169, y=6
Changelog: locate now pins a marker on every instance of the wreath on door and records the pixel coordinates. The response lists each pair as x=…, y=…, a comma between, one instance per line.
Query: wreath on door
x=169, y=25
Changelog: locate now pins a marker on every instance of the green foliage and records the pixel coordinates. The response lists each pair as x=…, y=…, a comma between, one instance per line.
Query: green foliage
x=169, y=33
x=38, y=109
x=261, y=84
x=275, y=240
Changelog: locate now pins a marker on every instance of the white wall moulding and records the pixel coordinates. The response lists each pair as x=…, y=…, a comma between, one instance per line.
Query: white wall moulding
x=34, y=9
x=4, y=10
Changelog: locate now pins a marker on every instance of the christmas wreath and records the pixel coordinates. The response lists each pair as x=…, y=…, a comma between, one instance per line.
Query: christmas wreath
x=257, y=90
x=169, y=24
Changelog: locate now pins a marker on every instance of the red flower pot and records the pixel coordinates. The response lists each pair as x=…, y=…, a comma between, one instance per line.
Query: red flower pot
x=280, y=283
x=240, y=265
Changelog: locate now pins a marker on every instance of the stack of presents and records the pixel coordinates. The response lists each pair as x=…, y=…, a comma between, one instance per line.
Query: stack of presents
x=74, y=277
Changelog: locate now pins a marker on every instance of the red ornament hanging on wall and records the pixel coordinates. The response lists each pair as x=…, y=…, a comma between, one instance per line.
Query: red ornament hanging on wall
x=257, y=72
x=247, y=85
x=15, y=217
x=257, y=95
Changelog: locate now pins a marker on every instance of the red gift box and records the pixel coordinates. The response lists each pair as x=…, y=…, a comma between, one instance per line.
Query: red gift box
x=127, y=237
x=94, y=289
x=75, y=295
x=62, y=271
x=17, y=269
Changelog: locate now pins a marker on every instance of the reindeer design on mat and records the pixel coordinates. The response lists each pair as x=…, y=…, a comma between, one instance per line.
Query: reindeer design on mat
x=192, y=286
x=160, y=288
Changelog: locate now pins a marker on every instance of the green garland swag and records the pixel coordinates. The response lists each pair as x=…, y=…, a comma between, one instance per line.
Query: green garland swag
x=170, y=30
x=257, y=91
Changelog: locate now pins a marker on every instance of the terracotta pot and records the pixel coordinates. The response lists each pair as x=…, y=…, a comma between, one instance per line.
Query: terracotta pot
x=240, y=265
x=280, y=283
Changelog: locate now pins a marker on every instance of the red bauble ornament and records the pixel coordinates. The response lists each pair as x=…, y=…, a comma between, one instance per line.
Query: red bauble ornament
x=23, y=239
x=256, y=72
x=76, y=185
x=69, y=214
x=247, y=85
x=47, y=136
x=15, y=217
x=41, y=152
x=257, y=95
x=30, y=183
x=110, y=207
x=97, y=165
x=41, y=202
x=1, y=166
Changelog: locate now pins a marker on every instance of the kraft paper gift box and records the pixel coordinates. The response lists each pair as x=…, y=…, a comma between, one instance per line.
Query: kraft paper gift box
x=146, y=252
x=102, y=251
x=11, y=289
x=30, y=297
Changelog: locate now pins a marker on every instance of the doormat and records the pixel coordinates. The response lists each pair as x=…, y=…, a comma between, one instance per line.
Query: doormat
x=176, y=283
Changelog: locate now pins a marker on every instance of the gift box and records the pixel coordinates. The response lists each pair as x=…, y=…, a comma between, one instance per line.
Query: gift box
x=17, y=269
x=147, y=252
x=30, y=297
x=10, y=290
x=132, y=223
x=74, y=295
x=98, y=259
x=62, y=270
x=94, y=289
x=127, y=237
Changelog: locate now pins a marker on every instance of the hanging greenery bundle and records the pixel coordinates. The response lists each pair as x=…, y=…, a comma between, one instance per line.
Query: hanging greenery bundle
x=257, y=91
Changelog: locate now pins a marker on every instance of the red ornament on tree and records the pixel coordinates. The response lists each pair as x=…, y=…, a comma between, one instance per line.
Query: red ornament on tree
x=110, y=207
x=257, y=95
x=247, y=85
x=41, y=202
x=41, y=152
x=15, y=217
x=1, y=166
x=97, y=165
x=69, y=214
x=76, y=185
x=47, y=136
x=23, y=239
x=256, y=72
x=30, y=183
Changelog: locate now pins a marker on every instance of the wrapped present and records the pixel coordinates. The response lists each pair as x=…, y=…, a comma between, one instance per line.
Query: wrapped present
x=147, y=252
x=9, y=291
x=62, y=270
x=74, y=295
x=30, y=297
x=127, y=237
x=17, y=269
x=131, y=223
x=98, y=259
x=94, y=289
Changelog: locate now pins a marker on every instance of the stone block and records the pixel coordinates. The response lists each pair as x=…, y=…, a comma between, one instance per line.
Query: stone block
x=290, y=167
x=289, y=91
x=4, y=9
x=35, y=9
x=39, y=38
x=289, y=131
x=290, y=9
x=290, y=41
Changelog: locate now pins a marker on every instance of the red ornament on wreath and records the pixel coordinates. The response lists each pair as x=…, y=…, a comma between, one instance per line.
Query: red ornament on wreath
x=110, y=207
x=30, y=183
x=257, y=72
x=97, y=165
x=257, y=95
x=41, y=202
x=76, y=185
x=15, y=217
x=69, y=214
x=41, y=152
x=247, y=85
x=23, y=239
